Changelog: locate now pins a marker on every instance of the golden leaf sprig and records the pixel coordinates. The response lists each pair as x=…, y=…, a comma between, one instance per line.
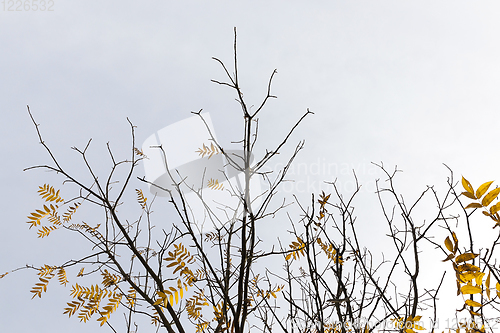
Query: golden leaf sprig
x=50, y=212
x=141, y=199
x=109, y=279
x=179, y=259
x=224, y=323
x=323, y=199
x=171, y=294
x=469, y=277
x=214, y=184
x=194, y=305
x=139, y=152
x=88, y=299
x=297, y=249
x=131, y=297
x=212, y=237
x=48, y=193
x=330, y=251
x=36, y=217
x=208, y=151
x=61, y=276
x=45, y=273
x=113, y=304
x=268, y=293
x=487, y=199
x=202, y=326
x=69, y=213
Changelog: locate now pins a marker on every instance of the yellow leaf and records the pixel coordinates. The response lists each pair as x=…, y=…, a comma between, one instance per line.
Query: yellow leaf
x=450, y=256
x=468, y=289
x=474, y=205
x=468, y=267
x=465, y=257
x=495, y=208
x=474, y=314
x=479, y=279
x=469, y=195
x=455, y=239
x=488, y=285
x=467, y=186
x=103, y=320
x=488, y=198
x=498, y=286
x=466, y=277
x=482, y=189
x=470, y=302
x=448, y=244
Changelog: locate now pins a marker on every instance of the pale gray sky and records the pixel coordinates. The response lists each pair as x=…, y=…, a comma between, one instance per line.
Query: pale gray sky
x=412, y=83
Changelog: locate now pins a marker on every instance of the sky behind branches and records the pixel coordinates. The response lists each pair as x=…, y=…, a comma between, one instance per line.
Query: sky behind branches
x=412, y=84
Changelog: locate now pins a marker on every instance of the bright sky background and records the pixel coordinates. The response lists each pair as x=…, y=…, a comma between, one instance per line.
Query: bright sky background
x=412, y=83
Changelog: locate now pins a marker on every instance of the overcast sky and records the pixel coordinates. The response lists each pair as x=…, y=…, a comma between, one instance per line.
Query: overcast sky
x=412, y=83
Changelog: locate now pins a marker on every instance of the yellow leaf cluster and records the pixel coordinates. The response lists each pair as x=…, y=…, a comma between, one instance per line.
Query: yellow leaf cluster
x=46, y=273
x=171, y=294
x=297, y=249
x=268, y=293
x=202, y=326
x=45, y=231
x=221, y=317
x=194, y=305
x=69, y=213
x=48, y=193
x=40, y=286
x=141, y=199
x=131, y=297
x=36, y=217
x=330, y=251
x=139, y=152
x=492, y=212
x=61, y=276
x=178, y=259
x=208, y=151
x=113, y=304
x=214, y=185
x=109, y=279
x=212, y=237
x=50, y=212
x=323, y=199
x=469, y=277
x=88, y=300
